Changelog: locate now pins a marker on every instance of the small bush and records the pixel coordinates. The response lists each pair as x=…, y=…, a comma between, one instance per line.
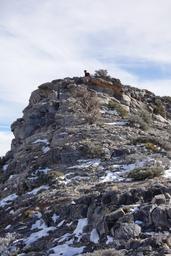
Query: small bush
x=101, y=73
x=113, y=105
x=50, y=177
x=141, y=118
x=145, y=173
x=92, y=149
x=159, y=108
x=158, y=140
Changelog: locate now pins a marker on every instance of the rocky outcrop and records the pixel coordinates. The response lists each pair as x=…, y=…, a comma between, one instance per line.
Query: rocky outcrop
x=88, y=172
x=115, y=88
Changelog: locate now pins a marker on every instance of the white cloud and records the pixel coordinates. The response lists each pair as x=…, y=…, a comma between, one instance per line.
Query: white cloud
x=159, y=87
x=5, y=141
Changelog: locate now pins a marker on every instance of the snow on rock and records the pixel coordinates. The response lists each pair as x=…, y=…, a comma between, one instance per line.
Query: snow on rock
x=86, y=163
x=112, y=176
x=45, y=170
x=45, y=141
x=37, y=235
x=55, y=217
x=7, y=227
x=39, y=224
x=36, y=190
x=65, y=237
x=94, y=236
x=110, y=112
x=42, y=228
x=80, y=227
x=7, y=200
x=60, y=223
x=109, y=240
x=5, y=167
x=139, y=222
x=119, y=123
x=45, y=149
x=66, y=250
x=167, y=173
x=131, y=167
x=135, y=208
x=68, y=178
x=119, y=172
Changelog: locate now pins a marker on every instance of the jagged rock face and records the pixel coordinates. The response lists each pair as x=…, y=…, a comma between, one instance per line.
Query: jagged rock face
x=88, y=172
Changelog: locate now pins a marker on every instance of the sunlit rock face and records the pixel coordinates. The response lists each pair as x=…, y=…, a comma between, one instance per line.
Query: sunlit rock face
x=88, y=172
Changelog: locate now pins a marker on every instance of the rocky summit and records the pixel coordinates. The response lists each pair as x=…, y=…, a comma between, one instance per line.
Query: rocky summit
x=88, y=172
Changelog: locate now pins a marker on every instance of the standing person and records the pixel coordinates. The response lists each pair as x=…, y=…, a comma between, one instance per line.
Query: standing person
x=87, y=76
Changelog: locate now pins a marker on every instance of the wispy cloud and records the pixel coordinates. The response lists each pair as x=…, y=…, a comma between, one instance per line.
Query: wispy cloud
x=43, y=40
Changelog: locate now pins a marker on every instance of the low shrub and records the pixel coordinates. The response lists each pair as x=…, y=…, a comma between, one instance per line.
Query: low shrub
x=50, y=177
x=159, y=108
x=142, y=119
x=156, y=140
x=92, y=149
x=101, y=73
x=114, y=105
x=145, y=173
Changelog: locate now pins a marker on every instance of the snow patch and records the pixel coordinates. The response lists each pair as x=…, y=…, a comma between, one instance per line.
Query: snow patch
x=45, y=141
x=135, y=208
x=167, y=173
x=37, y=235
x=80, y=227
x=86, y=163
x=118, y=123
x=112, y=176
x=45, y=170
x=139, y=222
x=60, y=223
x=5, y=167
x=36, y=190
x=64, y=238
x=110, y=112
x=39, y=224
x=7, y=200
x=109, y=240
x=7, y=227
x=55, y=217
x=119, y=172
x=45, y=149
x=43, y=230
x=94, y=236
x=66, y=250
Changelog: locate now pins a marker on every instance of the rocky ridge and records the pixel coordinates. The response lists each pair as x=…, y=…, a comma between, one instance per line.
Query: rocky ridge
x=88, y=172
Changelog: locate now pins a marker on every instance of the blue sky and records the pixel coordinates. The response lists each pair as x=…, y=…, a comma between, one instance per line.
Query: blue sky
x=44, y=40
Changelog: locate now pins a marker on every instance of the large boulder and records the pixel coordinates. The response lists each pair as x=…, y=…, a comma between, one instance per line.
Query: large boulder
x=126, y=231
x=161, y=217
